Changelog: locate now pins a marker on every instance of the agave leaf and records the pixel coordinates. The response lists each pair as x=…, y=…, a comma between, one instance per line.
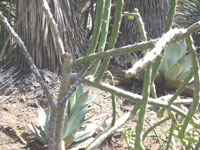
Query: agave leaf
x=188, y=63
x=175, y=63
x=183, y=75
x=82, y=100
x=173, y=53
x=38, y=134
x=183, y=47
x=68, y=140
x=163, y=68
x=185, y=66
x=82, y=144
x=42, y=117
x=46, y=128
x=181, y=63
x=74, y=98
x=72, y=101
x=85, y=132
x=74, y=121
x=172, y=72
x=80, y=90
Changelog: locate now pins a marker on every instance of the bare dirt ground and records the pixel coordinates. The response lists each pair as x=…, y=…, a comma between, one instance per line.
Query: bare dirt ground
x=21, y=109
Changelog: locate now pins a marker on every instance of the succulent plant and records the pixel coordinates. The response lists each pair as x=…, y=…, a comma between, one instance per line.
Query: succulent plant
x=176, y=65
x=73, y=131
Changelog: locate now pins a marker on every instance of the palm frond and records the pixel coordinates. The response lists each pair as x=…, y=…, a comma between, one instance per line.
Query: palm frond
x=188, y=12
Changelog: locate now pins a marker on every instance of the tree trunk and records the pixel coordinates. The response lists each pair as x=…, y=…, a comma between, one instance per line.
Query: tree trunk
x=37, y=36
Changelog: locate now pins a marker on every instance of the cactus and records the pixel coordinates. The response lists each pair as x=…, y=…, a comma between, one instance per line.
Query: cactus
x=172, y=67
x=113, y=38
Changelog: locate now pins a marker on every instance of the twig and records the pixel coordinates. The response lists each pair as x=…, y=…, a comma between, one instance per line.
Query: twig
x=34, y=70
x=54, y=26
x=28, y=58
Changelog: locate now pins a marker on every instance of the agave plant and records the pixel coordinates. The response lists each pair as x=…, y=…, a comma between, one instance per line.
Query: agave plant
x=176, y=65
x=74, y=131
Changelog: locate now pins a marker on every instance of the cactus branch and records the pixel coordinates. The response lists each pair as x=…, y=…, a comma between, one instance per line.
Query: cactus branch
x=97, y=30
x=180, y=88
x=113, y=37
x=173, y=127
x=171, y=36
x=171, y=13
x=113, y=97
x=154, y=130
x=168, y=26
x=104, y=32
x=139, y=21
x=145, y=93
x=108, y=131
x=154, y=126
x=134, y=97
x=177, y=92
x=64, y=87
x=195, y=102
x=197, y=147
x=115, y=52
x=74, y=86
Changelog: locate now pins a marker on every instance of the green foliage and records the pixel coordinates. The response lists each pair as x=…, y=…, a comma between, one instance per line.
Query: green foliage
x=19, y=133
x=191, y=138
x=129, y=138
x=7, y=52
x=74, y=131
x=188, y=12
x=176, y=65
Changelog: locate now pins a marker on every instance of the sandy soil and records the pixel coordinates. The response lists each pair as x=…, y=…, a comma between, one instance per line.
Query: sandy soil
x=21, y=109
